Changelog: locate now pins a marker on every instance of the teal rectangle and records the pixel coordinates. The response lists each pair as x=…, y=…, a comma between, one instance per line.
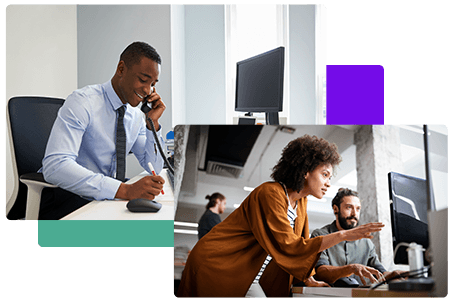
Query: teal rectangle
x=103, y=233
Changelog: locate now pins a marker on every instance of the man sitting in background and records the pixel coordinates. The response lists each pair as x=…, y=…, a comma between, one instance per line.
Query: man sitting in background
x=356, y=259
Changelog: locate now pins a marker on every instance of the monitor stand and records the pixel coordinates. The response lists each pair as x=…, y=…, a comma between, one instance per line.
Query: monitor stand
x=272, y=118
x=246, y=121
x=249, y=120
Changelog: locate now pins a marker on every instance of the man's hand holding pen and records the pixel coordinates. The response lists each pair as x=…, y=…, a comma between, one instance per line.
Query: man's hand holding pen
x=148, y=188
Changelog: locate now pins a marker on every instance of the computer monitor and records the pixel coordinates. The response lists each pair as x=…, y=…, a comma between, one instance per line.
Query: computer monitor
x=412, y=209
x=408, y=207
x=259, y=84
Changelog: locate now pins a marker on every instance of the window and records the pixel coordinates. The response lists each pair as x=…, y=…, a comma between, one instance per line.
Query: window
x=413, y=157
x=252, y=30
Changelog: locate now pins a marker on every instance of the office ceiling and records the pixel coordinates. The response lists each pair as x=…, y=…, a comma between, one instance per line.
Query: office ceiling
x=265, y=151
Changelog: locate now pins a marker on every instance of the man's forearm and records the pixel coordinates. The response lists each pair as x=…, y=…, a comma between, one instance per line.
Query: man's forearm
x=330, y=274
x=69, y=175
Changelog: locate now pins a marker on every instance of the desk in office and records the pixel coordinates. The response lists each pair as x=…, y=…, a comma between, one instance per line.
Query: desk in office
x=117, y=210
x=354, y=292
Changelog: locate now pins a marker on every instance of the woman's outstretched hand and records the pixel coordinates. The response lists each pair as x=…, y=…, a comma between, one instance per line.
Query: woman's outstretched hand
x=357, y=233
x=362, y=231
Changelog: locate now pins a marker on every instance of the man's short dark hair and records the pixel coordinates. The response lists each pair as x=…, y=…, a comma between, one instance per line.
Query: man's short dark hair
x=342, y=192
x=301, y=156
x=135, y=51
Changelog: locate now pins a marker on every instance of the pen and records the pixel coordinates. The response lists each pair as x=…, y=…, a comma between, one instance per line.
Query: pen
x=154, y=173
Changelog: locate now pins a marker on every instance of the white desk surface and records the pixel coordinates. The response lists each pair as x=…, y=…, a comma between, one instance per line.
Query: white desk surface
x=117, y=209
x=382, y=291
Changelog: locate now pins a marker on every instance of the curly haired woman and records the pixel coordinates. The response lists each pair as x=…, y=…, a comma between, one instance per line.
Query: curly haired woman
x=264, y=244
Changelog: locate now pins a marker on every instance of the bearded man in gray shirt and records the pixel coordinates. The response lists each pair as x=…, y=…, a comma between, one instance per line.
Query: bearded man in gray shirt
x=357, y=259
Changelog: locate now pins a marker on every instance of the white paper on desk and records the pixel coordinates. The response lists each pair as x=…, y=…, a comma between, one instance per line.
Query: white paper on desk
x=137, y=177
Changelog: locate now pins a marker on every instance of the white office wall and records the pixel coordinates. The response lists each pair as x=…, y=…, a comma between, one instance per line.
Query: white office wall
x=302, y=59
x=205, y=64
x=41, y=58
x=178, y=65
x=104, y=31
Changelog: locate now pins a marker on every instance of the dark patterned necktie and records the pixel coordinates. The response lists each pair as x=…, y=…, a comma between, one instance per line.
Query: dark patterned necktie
x=121, y=144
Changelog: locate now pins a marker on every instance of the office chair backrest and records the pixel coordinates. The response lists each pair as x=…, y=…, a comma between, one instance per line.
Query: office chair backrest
x=31, y=120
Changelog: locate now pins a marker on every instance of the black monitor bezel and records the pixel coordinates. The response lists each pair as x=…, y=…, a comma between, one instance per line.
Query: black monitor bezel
x=401, y=257
x=279, y=108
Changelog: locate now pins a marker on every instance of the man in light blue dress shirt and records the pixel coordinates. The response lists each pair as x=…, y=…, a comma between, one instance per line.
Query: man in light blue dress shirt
x=80, y=157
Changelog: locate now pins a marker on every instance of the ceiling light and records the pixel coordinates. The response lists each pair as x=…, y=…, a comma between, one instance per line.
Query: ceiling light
x=182, y=231
x=186, y=224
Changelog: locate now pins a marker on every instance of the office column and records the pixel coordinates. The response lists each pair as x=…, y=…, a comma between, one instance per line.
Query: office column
x=377, y=153
x=181, y=137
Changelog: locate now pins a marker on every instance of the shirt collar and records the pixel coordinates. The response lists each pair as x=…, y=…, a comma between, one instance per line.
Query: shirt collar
x=112, y=96
x=287, y=196
x=333, y=227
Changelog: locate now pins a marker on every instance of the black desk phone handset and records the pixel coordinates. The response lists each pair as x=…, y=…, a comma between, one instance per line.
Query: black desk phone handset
x=145, y=108
x=145, y=105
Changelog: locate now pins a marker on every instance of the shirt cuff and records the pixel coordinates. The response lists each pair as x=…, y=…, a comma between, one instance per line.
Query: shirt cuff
x=322, y=262
x=109, y=190
x=380, y=268
x=150, y=136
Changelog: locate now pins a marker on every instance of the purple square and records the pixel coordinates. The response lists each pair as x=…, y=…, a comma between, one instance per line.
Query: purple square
x=355, y=95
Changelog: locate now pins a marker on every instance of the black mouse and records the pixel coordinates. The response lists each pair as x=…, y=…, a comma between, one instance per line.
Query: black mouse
x=143, y=205
x=346, y=282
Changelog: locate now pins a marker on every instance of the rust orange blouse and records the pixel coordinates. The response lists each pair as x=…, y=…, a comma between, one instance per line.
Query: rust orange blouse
x=226, y=260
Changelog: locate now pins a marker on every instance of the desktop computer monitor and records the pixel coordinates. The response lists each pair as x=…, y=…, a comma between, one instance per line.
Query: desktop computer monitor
x=259, y=84
x=413, y=216
x=409, y=221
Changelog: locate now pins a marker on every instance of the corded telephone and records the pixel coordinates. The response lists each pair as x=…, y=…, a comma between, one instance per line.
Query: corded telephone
x=145, y=108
